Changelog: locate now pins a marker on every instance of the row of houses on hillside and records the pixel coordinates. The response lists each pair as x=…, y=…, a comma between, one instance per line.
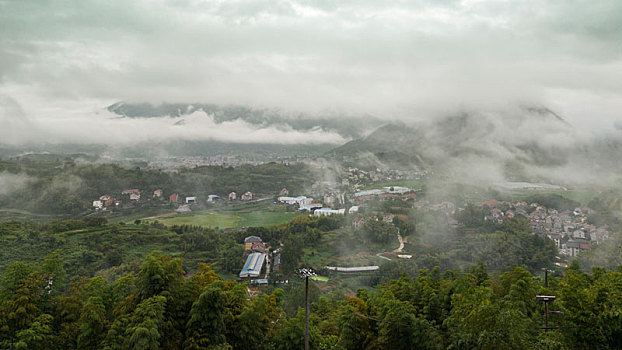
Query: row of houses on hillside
x=388, y=192
x=569, y=229
x=304, y=203
x=107, y=202
x=175, y=198
x=359, y=220
x=356, y=175
x=246, y=196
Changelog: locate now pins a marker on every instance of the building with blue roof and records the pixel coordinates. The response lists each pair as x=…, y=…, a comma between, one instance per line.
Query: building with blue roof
x=253, y=265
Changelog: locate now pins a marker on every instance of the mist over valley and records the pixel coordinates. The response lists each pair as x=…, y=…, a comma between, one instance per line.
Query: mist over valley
x=203, y=174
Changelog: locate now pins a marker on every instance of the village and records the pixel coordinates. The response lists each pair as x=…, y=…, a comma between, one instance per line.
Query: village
x=569, y=229
x=351, y=195
x=182, y=204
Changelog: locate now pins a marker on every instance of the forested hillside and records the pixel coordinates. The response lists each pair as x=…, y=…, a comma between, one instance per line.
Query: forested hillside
x=62, y=187
x=160, y=308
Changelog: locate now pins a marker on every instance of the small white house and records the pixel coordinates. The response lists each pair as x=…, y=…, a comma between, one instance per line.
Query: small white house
x=213, y=198
x=98, y=204
x=191, y=200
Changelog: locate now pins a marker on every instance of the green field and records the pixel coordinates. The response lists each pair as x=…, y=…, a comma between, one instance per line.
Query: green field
x=257, y=214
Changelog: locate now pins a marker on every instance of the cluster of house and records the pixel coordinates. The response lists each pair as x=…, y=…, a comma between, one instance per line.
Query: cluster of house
x=174, y=198
x=309, y=204
x=257, y=257
x=569, y=229
x=353, y=175
x=397, y=192
x=359, y=221
x=318, y=209
x=107, y=202
x=218, y=160
x=304, y=203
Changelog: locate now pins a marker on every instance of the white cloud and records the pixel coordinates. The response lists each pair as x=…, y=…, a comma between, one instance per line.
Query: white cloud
x=405, y=59
x=81, y=125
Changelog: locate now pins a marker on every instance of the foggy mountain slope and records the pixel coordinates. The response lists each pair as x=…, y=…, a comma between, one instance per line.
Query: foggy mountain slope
x=390, y=145
x=527, y=142
x=531, y=135
x=348, y=126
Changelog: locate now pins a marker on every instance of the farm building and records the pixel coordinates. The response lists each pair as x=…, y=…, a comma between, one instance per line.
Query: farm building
x=253, y=265
x=249, y=241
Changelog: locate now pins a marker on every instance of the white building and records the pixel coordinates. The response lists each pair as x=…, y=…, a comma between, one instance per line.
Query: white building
x=98, y=204
x=300, y=200
x=191, y=200
x=328, y=211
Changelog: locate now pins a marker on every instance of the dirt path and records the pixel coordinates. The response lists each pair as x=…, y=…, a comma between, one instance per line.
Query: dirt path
x=396, y=250
x=401, y=240
x=382, y=257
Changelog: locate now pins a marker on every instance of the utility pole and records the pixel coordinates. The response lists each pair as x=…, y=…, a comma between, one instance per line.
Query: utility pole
x=546, y=277
x=306, y=312
x=546, y=299
x=306, y=273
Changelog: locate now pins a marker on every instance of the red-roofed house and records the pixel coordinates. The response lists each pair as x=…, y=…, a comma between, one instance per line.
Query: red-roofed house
x=491, y=203
x=174, y=198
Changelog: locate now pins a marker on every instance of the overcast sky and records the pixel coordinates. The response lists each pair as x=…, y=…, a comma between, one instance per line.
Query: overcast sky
x=62, y=61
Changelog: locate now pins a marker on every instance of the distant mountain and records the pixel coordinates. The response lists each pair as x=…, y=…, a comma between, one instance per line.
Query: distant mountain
x=348, y=126
x=526, y=137
x=391, y=145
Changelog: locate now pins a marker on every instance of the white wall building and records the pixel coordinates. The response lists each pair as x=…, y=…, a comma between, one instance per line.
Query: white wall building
x=328, y=211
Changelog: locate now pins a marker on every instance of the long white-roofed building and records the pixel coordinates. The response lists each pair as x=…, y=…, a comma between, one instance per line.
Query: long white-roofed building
x=253, y=265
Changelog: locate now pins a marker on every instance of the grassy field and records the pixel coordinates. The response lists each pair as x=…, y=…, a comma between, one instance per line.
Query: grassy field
x=256, y=214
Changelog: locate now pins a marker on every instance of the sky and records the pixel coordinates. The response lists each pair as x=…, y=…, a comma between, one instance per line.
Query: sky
x=63, y=61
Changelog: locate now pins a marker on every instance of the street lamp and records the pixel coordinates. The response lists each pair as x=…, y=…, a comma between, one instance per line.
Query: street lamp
x=306, y=273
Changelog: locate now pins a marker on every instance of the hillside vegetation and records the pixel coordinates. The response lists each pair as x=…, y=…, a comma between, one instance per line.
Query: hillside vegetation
x=160, y=308
x=62, y=187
